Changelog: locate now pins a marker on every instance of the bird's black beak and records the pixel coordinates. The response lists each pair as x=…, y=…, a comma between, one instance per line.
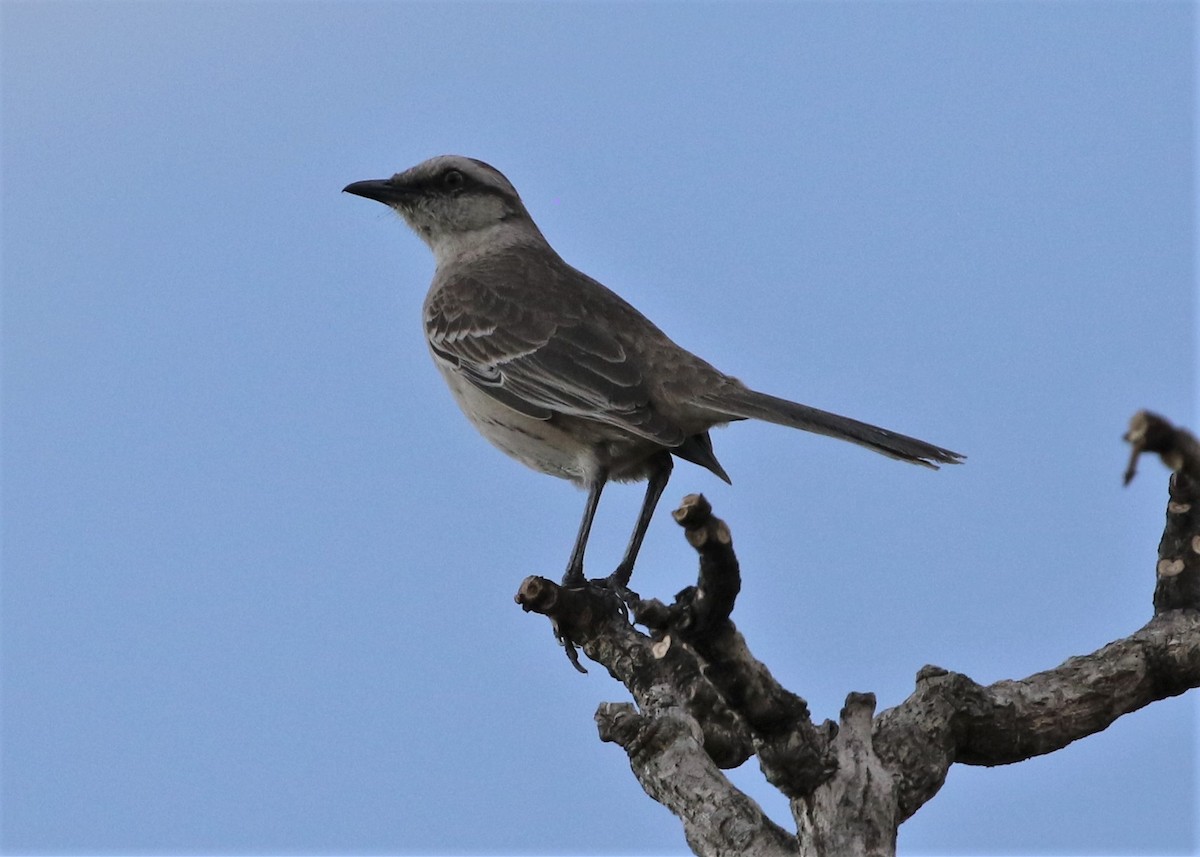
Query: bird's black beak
x=380, y=190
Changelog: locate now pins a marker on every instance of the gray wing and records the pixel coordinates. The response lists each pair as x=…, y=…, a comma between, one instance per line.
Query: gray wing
x=541, y=356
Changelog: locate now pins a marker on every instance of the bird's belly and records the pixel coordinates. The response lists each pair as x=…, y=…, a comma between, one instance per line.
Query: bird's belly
x=539, y=444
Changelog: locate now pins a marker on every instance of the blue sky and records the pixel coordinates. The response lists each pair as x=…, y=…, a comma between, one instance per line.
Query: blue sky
x=258, y=570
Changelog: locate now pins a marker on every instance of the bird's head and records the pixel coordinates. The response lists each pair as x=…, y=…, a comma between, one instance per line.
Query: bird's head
x=453, y=203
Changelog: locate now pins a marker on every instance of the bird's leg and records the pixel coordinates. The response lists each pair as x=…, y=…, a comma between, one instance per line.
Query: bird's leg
x=618, y=581
x=574, y=575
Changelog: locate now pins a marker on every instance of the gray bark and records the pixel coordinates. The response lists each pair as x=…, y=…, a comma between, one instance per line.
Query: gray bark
x=703, y=702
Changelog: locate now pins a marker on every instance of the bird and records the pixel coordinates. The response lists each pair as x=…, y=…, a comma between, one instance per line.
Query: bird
x=561, y=373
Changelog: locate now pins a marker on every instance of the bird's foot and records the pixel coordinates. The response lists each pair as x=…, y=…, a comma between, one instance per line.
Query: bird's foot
x=616, y=587
x=569, y=647
x=613, y=587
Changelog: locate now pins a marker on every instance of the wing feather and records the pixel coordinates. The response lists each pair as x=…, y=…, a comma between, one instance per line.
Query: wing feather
x=540, y=359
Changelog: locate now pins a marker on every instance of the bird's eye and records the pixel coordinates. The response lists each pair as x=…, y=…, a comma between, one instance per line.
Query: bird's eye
x=452, y=180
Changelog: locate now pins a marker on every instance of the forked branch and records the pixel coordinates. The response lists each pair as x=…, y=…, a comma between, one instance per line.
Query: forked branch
x=704, y=702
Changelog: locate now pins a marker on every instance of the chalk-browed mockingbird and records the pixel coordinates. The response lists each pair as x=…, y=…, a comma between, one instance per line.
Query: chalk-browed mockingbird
x=560, y=372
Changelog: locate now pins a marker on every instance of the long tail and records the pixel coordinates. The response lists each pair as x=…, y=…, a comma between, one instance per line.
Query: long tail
x=750, y=404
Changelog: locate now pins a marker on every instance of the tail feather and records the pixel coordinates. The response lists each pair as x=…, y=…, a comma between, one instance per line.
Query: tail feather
x=750, y=404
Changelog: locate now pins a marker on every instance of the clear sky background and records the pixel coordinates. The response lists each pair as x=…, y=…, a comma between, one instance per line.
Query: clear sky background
x=258, y=570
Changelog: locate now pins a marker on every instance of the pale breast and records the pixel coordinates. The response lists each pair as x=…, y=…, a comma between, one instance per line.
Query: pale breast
x=535, y=443
x=566, y=447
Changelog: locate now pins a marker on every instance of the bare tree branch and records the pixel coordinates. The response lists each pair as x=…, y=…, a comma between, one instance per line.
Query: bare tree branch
x=659, y=675
x=668, y=758
x=794, y=753
x=1178, y=448
x=1178, y=585
x=854, y=812
x=950, y=718
x=704, y=702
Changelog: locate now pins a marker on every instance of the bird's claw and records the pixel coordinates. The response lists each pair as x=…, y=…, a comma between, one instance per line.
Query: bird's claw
x=569, y=647
x=614, y=587
x=611, y=588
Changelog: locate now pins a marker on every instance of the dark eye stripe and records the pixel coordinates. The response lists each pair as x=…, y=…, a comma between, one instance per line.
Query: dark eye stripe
x=471, y=183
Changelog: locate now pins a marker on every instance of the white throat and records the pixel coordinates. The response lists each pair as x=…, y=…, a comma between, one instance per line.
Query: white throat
x=458, y=247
